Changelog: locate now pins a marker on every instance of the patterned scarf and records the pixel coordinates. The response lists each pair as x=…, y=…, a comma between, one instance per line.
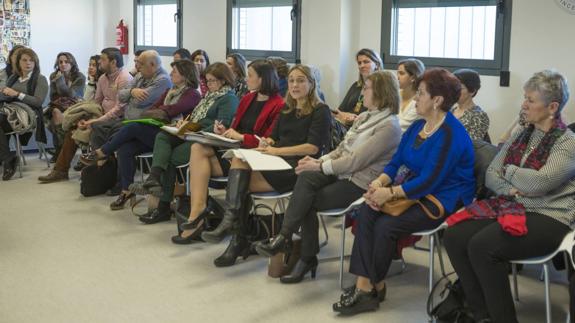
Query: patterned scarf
x=509, y=213
x=202, y=108
x=174, y=94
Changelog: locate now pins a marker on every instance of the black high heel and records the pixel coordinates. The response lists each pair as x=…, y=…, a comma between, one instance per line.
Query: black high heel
x=187, y=225
x=196, y=236
x=299, y=271
x=118, y=204
x=273, y=246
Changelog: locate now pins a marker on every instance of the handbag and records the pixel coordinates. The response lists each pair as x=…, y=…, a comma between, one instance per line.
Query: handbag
x=450, y=299
x=399, y=206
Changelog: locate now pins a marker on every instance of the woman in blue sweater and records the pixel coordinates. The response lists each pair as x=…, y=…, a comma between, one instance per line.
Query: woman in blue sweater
x=433, y=164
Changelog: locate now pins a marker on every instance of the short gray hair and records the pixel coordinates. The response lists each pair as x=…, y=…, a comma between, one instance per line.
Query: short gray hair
x=152, y=56
x=552, y=86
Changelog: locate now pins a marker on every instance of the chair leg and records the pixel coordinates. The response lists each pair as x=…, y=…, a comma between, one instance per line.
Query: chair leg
x=342, y=252
x=547, y=293
x=19, y=155
x=142, y=169
x=431, y=263
x=324, y=243
x=515, y=288
x=188, y=182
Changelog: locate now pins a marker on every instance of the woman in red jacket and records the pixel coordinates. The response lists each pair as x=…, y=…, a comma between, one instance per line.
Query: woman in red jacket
x=256, y=115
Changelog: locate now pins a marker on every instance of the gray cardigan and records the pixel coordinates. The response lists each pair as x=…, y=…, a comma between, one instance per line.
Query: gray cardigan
x=155, y=86
x=551, y=189
x=367, y=147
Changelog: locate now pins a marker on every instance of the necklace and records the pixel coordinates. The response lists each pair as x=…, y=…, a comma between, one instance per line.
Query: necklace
x=427, y=133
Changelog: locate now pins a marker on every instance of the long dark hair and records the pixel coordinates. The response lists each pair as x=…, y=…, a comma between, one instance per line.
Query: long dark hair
x=74, y=71
x=98, y=71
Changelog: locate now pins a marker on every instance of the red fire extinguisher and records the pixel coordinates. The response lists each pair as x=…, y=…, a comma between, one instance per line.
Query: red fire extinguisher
x=122, y=37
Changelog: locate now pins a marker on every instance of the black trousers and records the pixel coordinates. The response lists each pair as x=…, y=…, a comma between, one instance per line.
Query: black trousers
x=376, y=239
x=102, y=131
x=479, y=251
x=5, y=127
x=314, y=192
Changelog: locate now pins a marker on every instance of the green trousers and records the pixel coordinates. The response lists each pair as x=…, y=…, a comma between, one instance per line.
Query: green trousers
x=170, y=152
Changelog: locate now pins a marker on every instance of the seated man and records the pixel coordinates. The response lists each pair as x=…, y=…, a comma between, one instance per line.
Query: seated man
x=115, y=77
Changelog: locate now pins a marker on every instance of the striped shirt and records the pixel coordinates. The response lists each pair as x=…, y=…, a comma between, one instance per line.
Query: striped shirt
x=551, y=189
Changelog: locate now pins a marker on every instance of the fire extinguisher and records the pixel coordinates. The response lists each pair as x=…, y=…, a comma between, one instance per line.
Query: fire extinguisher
x=122, y=37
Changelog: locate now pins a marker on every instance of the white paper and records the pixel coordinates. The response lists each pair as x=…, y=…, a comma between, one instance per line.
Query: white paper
x=171, y=130
x=215, y=136
x=257, y=160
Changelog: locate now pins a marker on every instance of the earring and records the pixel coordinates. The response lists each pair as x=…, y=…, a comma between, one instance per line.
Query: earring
x=434, y=107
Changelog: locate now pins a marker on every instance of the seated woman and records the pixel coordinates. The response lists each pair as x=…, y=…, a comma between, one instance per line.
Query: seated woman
x=471, y=116
x=302, y=130
x=67, y=85
x=202, y=61
x=368, y=61
x=438, y=154
x=282, y=67
x=26, y=86
x=337, y=179
x=408, y=71
x=533, y=177
x=237, y=62
x=10, y=67
x=220, y=105
x=256, y=115
x=94, y=74
x=136, y=138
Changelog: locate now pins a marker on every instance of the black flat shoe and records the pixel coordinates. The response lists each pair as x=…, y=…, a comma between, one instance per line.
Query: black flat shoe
x=191, y=225
x=10, y=168
x=90, y=158
x=277, y=244
x=239, y=246
x=347, y=292
x=119, y=203
x=196, y=236
x=156, y=216
x=299, y=271
x=358, y=302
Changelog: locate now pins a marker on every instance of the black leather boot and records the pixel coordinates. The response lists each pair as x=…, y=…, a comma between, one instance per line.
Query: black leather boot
x=239, y=246
x=236, y=193
x=277, y=244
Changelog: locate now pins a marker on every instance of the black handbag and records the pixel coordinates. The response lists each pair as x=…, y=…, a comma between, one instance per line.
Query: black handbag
x=450, y=302
x=96, y=180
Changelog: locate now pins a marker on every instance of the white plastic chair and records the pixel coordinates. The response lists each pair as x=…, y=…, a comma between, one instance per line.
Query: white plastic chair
x=565, y=246
x=144, y=159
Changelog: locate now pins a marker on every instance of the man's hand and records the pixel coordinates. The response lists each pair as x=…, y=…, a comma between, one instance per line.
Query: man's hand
x=139, y=94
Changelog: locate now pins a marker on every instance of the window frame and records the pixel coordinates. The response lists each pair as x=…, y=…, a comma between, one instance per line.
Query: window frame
x=292, y=56
x=497, y=66
x=162, y=50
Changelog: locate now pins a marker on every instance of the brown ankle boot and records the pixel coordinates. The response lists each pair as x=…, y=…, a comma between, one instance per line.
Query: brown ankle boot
x=54, y=176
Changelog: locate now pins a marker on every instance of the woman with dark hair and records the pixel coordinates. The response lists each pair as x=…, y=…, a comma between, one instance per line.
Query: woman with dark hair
x=67, y=85
x=437, y=154
x=302, y=129
x=473, y=118
x=94, y=74
x=237, y=63
x=533, y=177
x=26, y=86
x=10, y=65
x=368, y=61
x=408, y=71
x=337, y=179
x=202, y=61
x=136, y=138
x=170, y=151
x=182, y=53
x=256, y=116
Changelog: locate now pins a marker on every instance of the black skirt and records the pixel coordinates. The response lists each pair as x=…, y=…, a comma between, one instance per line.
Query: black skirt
x=282, y=180
x=225, y=164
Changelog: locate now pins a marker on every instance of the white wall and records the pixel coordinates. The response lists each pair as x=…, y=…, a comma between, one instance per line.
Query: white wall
x=63, y=25
x=333, y=30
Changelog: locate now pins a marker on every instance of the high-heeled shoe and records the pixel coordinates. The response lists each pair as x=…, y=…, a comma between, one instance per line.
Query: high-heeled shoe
x=347, y=292
x=118, y=204
x=358, y=302
x=190, y=225
x=299, y=271
x=160, y=214
x=239, y=246
x=277, y=244
x=196, y=236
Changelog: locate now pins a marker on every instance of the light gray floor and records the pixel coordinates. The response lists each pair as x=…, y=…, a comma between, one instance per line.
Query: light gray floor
x=66, y=258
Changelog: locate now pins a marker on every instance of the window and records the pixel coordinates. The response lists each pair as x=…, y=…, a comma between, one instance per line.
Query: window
x=158, y=25
x=448, y=33
x=262, y=28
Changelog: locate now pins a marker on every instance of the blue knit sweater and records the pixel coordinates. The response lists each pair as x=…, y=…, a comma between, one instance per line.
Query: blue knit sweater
x=441, y=165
